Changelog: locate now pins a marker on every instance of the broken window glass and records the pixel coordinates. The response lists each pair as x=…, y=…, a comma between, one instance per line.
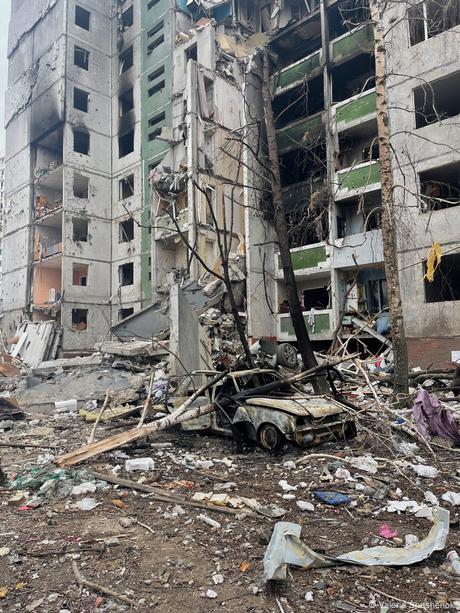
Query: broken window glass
x=440, y=187
x=126, y=101
x=126, y=231
x=128, y=17
x=126, y=274
x=445, y=286
x=126, y=60
x=126, y=144
x=432, y=17
x=81, y=58
x=434, y=101
x=79, y=319
x=126, y=186
x=81, y=142
x=80, y=230
x=80, y=100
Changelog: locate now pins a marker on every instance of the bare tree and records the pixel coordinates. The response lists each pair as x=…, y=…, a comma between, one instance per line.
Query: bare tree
x=389, y=233
x=298, y=322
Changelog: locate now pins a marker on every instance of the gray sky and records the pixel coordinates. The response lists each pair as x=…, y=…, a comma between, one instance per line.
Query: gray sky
x=5, y=6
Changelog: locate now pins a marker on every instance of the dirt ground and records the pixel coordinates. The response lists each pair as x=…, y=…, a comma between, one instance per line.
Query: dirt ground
x=171, y=562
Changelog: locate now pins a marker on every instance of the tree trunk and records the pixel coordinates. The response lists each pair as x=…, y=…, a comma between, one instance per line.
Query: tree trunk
x=298, y=322
x=388, y=209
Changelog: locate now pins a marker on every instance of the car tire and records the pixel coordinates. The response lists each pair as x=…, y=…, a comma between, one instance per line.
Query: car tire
x=270, y=437
x=286, y=355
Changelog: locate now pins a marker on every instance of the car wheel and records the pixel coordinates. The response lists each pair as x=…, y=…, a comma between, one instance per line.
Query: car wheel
x=270, y=437
x=286, y=355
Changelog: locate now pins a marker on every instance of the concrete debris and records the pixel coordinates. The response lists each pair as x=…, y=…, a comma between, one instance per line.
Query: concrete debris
x=205, y=488
x=36, y=342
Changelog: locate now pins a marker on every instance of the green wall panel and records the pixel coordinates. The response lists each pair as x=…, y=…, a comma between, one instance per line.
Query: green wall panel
x=307, y=258
x=298, y=72
x=322, y=324
x=357, y=109
x=292, y=136
x=360, y=177
x=359, y=42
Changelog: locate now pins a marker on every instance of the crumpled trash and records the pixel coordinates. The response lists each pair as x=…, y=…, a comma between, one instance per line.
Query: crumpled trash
x=431, y=499
x=159, y=390
x=286, y=548
x=87, y=504
x=366, y=463
x=434, y=419
x=429, y=472
x=452, y=497
x=332, y=498
x=286, y=487
x=410, y=539
x=49, y=483
x=382, y=324
x=84, y=488
x=343, y=473
x=305, y=505
x=141, y=464
x=402, y=505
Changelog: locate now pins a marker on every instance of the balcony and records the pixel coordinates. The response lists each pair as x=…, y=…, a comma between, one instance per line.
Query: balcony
x=165, y=228
x=297, y=73
x=307, y=261
x=361, y=40
x=292, y=136
x=47, y=283
x=48, y=237
x=321, y=330
x=357, y=180
x=354, y=111
x=50, y=176
x=46, y=250
x=362, y=249
x=299, y=194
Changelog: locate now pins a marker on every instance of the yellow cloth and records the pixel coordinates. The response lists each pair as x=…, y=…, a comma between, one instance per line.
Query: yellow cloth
x=434, y=260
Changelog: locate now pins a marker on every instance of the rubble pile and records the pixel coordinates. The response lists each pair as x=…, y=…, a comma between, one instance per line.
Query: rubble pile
x=123, y=485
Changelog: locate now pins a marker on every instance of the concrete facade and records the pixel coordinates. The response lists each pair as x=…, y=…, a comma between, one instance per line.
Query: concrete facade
x=324, y=102
x=135, y=133
x=2, y=206
x=74, y=171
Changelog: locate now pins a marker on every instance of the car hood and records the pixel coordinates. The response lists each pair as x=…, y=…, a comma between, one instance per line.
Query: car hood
x=313, y=406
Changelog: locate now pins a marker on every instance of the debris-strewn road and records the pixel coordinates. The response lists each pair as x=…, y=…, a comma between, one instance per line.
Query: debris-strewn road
x=176, y=561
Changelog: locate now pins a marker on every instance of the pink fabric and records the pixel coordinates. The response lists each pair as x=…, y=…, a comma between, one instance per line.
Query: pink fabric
x=387, y=532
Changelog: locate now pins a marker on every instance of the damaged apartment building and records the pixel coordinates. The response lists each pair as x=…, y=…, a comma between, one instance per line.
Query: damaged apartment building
x=136, y=157
x=324, y=104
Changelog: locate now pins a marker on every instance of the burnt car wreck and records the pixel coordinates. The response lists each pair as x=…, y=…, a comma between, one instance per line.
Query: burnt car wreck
x=260, y=406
